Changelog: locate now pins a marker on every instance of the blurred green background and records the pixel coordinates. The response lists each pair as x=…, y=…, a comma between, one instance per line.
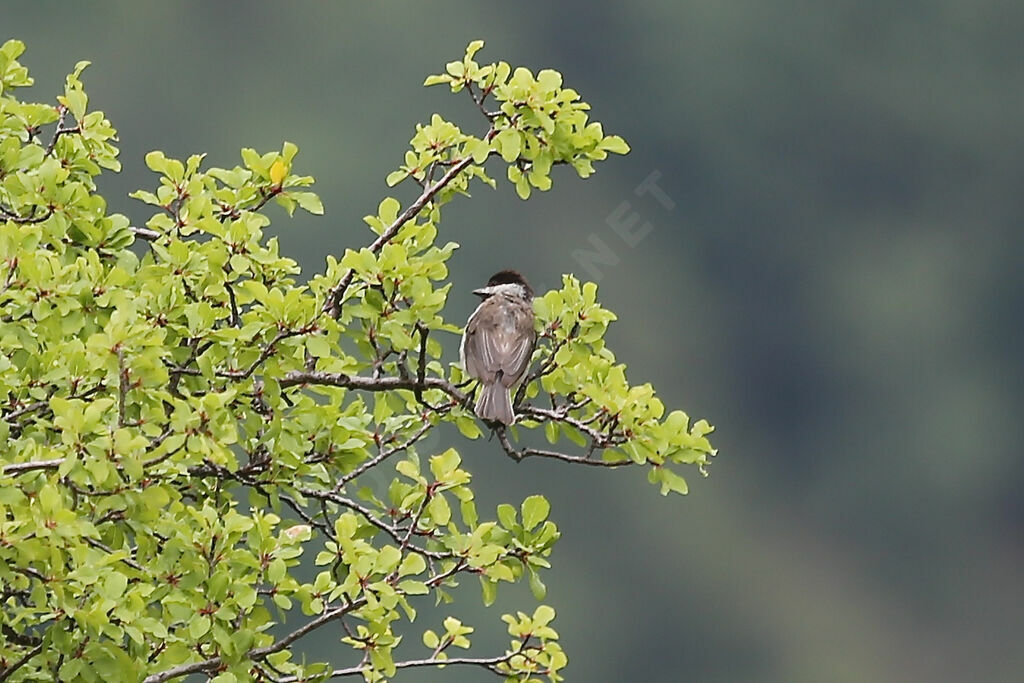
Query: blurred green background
x=836, y=286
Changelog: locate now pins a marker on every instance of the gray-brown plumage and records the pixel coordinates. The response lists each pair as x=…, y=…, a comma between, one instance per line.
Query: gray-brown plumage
x=498, y=343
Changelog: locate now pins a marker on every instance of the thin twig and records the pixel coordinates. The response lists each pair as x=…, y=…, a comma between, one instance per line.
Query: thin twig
x=61, y=129
x=390, y=530
x=382, y=456
x=267, y=351
x=99, y=546
x=122, y=386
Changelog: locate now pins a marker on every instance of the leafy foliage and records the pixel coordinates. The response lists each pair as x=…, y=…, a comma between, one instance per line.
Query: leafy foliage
x=153, y=378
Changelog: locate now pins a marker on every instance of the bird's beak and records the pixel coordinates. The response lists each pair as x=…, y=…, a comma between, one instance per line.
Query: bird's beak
x=484, y=291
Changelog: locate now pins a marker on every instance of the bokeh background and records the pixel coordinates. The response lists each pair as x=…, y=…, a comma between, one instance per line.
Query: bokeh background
x=834, y=282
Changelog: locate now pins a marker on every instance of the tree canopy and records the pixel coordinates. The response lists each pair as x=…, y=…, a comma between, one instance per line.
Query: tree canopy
x=191, y=426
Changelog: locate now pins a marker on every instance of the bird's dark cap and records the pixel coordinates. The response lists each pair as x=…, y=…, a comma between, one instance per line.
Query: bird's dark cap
x=510, y=277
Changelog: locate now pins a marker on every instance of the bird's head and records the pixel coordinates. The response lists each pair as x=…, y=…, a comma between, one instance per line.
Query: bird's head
x=509, y=282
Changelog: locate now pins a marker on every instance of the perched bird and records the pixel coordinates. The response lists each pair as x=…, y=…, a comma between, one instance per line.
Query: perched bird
x=498, y=342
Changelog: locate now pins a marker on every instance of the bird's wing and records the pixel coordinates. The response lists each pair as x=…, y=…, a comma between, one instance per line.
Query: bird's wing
x=491, y=349
x=516, y=357
x=478, y=351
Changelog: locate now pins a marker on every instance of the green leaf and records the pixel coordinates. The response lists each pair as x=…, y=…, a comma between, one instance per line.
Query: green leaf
x=308, y=201
x=479, y=149
x=507, y=515
x=551, y=431
x=468, y=426
x=388, y=210
x=411, y=587
x=670, y=481
x=412, y=564
x=535, y=510
x=114, y=586
x=614, y=144
x=473, y=47
x=430, y=639
x=489, y=591
x=437, y=79
x=509, y=144
x=537, y=586
x=543, y=615
x=156, y=161
x=318, y=346
x=439, y=510
x=198, y=627
x=442, y=466
x=408, y=468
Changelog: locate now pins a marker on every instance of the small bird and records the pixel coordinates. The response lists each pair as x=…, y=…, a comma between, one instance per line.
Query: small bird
x=498, y=343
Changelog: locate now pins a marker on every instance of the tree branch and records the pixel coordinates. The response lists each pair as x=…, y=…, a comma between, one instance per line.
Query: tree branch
x=266, y=353
x=337, y=379
x=382, y=456
x=489, y=663
x=146, y=233
x=15, y=217
x=122, y=386
x=332, y=304
x=520, y=454
x=32, y=465
x=561, y=414
x=259, y=652
x=9, y=671
x=61, y=129
x=390, y=530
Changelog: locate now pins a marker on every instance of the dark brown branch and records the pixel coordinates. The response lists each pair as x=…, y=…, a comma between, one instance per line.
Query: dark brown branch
x=236, y=319
x=478, y=99
x=154, y=444
x=266, y=196
x=421, y=370
x=12, y=266
x=522, y=453
x=122, y=386
x=14, y=217
x=335, y=379
x=9, y=671
x=561, y=414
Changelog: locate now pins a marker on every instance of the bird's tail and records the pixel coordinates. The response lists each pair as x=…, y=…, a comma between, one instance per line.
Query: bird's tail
x=495, y=404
